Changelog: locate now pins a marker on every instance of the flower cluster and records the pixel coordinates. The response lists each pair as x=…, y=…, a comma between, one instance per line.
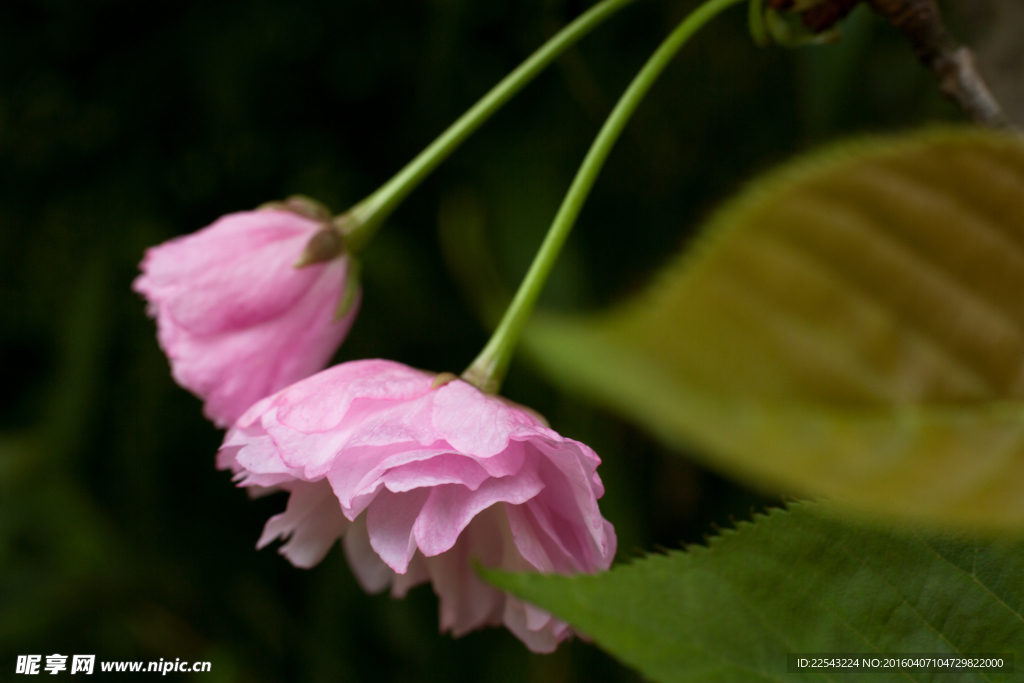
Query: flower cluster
x=420, y=475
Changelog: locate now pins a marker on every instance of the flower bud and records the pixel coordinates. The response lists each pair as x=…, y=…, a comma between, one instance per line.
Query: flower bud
x=236, y=319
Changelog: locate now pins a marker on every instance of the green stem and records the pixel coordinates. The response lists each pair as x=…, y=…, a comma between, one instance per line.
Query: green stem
x=363, y=220
x=755, y=19
x=488, y=369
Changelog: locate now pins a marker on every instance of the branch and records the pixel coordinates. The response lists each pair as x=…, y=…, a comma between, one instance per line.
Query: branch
x=921, y=22
x=959, y=80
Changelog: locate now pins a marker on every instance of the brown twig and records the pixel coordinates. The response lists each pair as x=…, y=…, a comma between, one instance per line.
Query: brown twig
x=826, y=15
x=959, y=80
x=921, y=22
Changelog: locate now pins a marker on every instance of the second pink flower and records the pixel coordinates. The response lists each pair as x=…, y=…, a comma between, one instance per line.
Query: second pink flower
x=421, y=481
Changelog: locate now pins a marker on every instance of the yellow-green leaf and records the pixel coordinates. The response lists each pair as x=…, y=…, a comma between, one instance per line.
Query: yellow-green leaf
x=851, y=326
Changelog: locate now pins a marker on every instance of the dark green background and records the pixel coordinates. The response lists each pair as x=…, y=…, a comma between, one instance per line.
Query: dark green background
x=123, y=124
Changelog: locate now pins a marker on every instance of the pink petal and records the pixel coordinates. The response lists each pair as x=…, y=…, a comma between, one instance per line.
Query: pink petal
x=564, y=464
x=234, y=273
x=446, y=468
x=357, y=473
x=260, y=456
x=503, y=464
x=319, y=403
x=533, y=543
x=314, y=420
x=465, y=602
x=475, y=423
x=313, y=520
x=382, y=423
x=235, y=368
x=370, y=571
x=416, y=574
x=312, y=453
x=389, y=520
x=451, y=507
x=542, y=640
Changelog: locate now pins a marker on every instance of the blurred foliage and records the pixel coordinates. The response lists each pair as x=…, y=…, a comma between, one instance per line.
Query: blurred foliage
x=124, y=124
x=850, y=326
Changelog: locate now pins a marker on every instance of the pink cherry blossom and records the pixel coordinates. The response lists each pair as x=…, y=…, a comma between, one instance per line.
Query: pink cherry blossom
x=235, y=317
x=420, y=481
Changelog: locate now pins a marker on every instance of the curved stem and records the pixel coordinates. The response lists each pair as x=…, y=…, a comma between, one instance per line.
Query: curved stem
x=368, y=215
x=488, y=369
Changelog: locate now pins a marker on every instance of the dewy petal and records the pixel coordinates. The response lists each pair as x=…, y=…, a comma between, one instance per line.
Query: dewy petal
x=313, y=521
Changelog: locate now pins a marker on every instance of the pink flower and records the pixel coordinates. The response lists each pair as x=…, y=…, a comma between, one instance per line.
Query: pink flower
x=421, y=481
x=237, y=320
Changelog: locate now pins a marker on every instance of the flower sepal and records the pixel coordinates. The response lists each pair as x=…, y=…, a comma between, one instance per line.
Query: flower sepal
x=300, y=204
x=794, y=23
x=350, y=290
x=326, y=244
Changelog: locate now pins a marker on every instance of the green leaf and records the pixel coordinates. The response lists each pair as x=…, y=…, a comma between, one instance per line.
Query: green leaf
x=802, y=580
x=851, y=326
